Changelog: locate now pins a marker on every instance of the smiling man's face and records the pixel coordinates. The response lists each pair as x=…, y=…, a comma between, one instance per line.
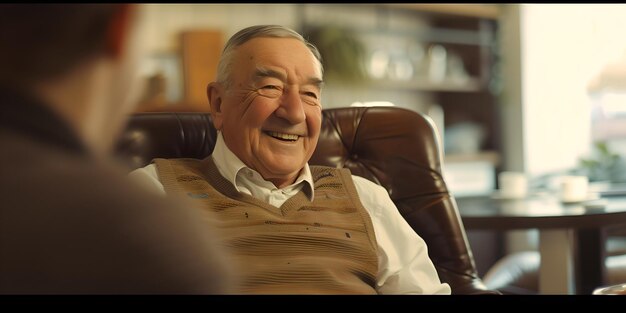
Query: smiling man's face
x=270, y=114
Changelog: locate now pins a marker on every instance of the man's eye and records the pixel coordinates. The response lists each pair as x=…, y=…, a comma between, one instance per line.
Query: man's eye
x=272, y=91
x=311, y=94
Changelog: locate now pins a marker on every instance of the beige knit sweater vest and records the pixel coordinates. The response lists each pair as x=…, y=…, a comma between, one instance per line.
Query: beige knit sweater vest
x=326, y=246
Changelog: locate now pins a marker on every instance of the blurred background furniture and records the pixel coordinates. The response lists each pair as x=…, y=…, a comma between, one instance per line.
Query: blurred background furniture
x=394, y=147
x=518, y=273
x=617, y=289
x=575, y=253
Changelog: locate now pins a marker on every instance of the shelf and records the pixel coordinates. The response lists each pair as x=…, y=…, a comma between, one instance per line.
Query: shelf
x=436, y=35
x=470, y=85
x=492, y=157
x=423, y=84
x=457, y=36
x=433, y=35
x=488, y=11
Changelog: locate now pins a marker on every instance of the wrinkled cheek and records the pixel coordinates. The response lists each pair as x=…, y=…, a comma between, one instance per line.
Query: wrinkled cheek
x=250, y=96
x=250, y=106
x=315, y=125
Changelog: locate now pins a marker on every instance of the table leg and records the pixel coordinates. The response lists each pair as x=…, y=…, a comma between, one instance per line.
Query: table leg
x=556, y=273
x=590, y=260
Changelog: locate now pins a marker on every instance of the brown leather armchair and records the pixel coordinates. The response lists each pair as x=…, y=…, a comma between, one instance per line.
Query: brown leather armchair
x=393, y=147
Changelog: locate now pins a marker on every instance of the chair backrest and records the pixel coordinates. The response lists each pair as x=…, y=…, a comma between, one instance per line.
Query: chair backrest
x=393, y=147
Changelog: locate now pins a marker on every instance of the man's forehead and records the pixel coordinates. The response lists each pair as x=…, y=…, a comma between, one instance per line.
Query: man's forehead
x=279, y=73
x=267, y=71
x=266, y=48
x=268, y=40
x=266, y=59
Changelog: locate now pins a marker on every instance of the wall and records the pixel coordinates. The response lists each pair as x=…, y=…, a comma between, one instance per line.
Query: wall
x=168, y=20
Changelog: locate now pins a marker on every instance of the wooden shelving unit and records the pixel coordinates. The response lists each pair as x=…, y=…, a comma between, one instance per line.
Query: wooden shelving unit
x=492, y=157
x=420, y=84
x=489, y=11
x=470, y=85
x=467, y=31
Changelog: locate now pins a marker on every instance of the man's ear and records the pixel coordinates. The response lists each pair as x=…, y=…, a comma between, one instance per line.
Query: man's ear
x=214, y=93
x=118, y=29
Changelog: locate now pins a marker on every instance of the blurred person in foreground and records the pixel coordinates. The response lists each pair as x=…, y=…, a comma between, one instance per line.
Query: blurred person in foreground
x=71, y=222
x=292, y=228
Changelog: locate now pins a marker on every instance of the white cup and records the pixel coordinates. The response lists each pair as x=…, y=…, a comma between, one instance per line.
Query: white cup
x=513, y=185
x=574, y=188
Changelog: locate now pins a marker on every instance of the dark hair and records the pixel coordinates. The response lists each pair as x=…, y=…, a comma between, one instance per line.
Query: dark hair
x=42, y=41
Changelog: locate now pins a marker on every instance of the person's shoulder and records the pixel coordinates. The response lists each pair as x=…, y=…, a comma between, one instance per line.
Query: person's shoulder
x=39, y=182
x=145, y=170
x=70, y=181
x=366, y=184
x=366, y=189
x=373, y=196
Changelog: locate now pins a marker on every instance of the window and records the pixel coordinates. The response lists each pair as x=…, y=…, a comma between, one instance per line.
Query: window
x=569, y=53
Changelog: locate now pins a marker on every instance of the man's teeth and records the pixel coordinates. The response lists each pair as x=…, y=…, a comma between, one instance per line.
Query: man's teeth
x=283, y=136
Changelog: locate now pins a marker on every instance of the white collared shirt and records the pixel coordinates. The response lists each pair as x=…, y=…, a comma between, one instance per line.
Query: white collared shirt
x=403, y=263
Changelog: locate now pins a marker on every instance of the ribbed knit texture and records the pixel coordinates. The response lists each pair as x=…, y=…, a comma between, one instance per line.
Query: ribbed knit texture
x=326, y=246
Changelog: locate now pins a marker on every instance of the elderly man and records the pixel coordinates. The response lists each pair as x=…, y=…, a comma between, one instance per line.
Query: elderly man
x=70, y=222
x=291, y=227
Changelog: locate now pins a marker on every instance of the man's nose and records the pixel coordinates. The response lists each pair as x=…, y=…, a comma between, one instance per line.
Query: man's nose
x=291, y=107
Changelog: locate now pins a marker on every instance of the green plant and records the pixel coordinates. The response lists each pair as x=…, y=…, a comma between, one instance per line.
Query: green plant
x=606, y=165
x=343, y=54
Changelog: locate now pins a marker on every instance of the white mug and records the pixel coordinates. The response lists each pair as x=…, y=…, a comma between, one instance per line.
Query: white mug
x=574, y=188
x=513, y=185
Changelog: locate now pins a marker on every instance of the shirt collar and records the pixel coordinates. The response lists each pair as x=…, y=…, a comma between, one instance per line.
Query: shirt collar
x=230, y=166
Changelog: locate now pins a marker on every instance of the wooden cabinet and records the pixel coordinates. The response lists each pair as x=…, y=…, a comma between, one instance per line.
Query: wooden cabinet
x=191, y=68
x=481, y=60
x=200, y=50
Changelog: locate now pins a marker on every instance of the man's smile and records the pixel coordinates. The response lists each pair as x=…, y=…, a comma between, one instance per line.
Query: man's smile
x=282, y=136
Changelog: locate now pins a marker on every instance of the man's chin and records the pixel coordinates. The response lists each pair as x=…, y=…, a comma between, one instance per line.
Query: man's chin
x=280, y=171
